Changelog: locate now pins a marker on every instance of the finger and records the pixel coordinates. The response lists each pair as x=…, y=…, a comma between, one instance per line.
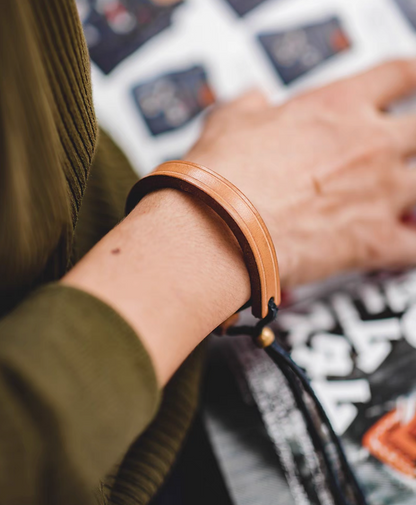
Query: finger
x=403, y=130
x=387, y=82
x=251, y=101
x=405, y=189
x=402, y=249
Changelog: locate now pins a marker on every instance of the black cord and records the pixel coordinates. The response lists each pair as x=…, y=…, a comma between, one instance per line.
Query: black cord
x=276, y=351
x=318, y=443
x=288, y=367
x=255, y=331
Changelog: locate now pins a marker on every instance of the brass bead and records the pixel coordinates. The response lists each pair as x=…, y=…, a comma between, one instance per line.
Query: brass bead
x=265, y=338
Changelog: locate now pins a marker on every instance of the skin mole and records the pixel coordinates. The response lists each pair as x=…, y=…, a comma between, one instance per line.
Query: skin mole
x=116, y=251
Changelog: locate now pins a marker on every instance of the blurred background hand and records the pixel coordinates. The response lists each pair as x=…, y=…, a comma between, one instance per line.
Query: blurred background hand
x=327, y=171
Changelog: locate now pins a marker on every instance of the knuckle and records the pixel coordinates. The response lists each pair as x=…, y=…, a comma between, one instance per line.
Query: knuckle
x=382, y=140
x=339, y=96
x=331, y=97
x=384, y=144
x=327, y=120
x=404, y=69
x=373, y=154
x=389, y=141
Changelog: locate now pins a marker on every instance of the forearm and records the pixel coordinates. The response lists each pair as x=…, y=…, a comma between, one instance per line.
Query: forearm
x=173, y=270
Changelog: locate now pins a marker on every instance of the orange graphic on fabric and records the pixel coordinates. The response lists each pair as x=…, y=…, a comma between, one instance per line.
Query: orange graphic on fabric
x=392, y=440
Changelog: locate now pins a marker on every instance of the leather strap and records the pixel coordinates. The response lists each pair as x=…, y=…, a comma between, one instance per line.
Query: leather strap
x=238, y=213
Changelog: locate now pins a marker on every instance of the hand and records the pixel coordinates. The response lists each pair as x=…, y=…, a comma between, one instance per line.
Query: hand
x=327, y=171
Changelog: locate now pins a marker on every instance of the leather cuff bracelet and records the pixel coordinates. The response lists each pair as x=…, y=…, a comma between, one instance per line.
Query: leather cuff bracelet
x=237, y=212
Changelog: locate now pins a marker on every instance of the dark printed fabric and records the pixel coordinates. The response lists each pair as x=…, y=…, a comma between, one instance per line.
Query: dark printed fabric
x=242, y=7
x=172, y=100
x=248, y=461
x=114, y=29
x=296, y=52
x=313, y=472
x=408, y=8
x=357, y=344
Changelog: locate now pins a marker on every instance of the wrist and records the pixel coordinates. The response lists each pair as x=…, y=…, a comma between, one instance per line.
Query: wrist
x=190, y=237
x=173, y=270
x=227, y=167
x=239, y=214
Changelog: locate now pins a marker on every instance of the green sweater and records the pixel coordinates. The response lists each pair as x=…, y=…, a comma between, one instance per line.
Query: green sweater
x=81, y=418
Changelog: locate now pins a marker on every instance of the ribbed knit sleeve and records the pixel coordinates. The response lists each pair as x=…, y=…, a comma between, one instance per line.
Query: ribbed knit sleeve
x=67, y=67
x=76, y=387
x=48, y=138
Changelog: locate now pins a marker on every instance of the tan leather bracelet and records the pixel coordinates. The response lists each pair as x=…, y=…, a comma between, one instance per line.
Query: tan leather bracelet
x=237, y=212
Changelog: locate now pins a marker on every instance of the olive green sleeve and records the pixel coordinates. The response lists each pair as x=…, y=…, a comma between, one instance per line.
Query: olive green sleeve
x=76, y=388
